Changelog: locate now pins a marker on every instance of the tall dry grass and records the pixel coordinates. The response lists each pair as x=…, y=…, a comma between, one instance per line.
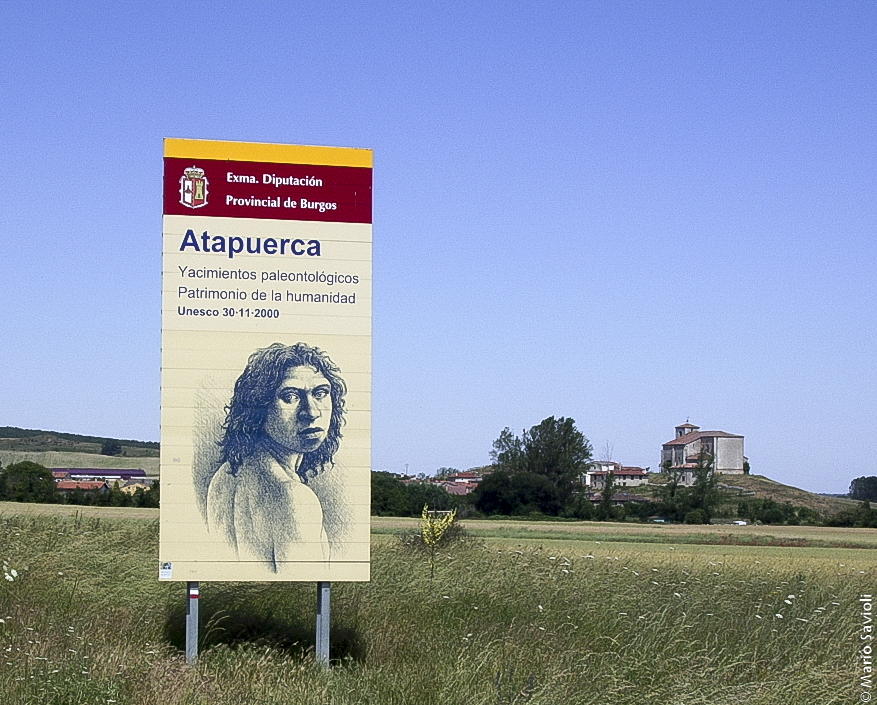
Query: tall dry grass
x=86, y=621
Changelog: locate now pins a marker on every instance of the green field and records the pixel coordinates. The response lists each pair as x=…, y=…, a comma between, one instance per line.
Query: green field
x=550, y=617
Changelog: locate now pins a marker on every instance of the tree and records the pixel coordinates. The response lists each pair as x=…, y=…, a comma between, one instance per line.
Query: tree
x=444, y=473
x=110, y=447
x=507, y=453
x=604, y=509
x=554, y=449
x=704, y=495
x=672, y=493
x=392, y=497
x=864, y=489
x=152, y=496
x=519, y=493
x=118, y=498
x=27, y=482
x=389, y=496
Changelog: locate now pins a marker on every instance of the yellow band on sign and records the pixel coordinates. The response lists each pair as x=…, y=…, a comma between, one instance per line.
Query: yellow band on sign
x=272, y=153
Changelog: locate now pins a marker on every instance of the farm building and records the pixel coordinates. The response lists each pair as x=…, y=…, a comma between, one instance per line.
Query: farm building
x=110, y=475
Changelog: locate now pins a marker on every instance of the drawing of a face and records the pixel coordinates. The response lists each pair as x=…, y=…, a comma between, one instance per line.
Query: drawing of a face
x=300, y=415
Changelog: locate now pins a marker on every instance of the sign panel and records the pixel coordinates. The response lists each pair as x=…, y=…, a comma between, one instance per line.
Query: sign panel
x=266, y=362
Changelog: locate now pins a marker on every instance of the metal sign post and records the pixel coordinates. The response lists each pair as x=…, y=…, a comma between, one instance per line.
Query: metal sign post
x=323, y=619
x=192, y=623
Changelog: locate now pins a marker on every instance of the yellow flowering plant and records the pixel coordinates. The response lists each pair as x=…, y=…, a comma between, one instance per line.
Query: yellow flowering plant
x=433, y=528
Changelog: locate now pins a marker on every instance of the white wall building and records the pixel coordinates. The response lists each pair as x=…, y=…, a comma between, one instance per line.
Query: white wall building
x=683, y=451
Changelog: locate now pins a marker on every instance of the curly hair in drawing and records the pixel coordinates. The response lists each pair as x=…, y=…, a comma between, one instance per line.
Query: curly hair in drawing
x=255, y=391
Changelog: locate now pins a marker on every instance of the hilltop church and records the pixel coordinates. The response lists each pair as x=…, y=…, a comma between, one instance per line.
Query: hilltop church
x=682, y=452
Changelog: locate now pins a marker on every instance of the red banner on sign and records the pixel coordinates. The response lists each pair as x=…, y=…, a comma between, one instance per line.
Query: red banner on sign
x=232, y=189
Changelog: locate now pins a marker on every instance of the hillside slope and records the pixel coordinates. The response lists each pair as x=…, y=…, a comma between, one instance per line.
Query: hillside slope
x=741, y=487
x=762, y=487
x=35, y=441
x=64, y=459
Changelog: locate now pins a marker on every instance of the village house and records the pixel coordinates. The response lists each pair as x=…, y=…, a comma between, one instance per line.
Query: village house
x=132, y=486
x=681, y=454
x=96, y=486
x=623, y=475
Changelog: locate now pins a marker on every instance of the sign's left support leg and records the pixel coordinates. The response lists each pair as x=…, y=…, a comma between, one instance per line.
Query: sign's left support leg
x=323, y=619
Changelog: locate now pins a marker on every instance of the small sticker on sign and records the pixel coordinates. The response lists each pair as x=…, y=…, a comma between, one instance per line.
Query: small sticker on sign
x=166, y=571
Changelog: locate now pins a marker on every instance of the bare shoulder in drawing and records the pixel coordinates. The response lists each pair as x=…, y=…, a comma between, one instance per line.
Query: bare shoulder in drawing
x=282, y=430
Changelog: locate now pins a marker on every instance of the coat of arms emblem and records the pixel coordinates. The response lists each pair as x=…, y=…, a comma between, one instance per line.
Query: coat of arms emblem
x=193, y=188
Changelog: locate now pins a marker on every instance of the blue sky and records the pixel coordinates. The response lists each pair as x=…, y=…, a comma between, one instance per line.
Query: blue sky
x=630, y=213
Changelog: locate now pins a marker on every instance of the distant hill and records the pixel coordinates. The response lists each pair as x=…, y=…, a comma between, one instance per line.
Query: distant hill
x=34, y=441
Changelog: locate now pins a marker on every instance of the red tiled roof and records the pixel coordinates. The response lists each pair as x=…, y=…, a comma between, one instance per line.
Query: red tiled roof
x=83, y=485
x=623, y=471
x=696, y=435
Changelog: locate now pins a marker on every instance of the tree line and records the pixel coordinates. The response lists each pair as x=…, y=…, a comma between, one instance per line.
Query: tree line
x=31, y=482
x=540, y=473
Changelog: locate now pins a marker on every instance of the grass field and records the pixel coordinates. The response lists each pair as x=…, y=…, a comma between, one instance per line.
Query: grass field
x=69, y=459
x=535, y=619
x=722, y=534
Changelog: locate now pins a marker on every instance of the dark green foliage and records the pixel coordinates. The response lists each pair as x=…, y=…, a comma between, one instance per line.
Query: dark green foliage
x=152, y=496
x=768, y=511
x=540, y=471
x=110, y=447
x=392, y=497
x=863, y=516
x=554, y=449
x=27, y=482
x=579, y=507
x=519, y=493
x=864, y=489
x=605, y=510
x=676, y=501
x=696, y=516
x=389, y=495
x=704, y=495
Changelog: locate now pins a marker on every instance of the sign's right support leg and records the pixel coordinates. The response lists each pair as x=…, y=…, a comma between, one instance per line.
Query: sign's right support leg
x=193, y=594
